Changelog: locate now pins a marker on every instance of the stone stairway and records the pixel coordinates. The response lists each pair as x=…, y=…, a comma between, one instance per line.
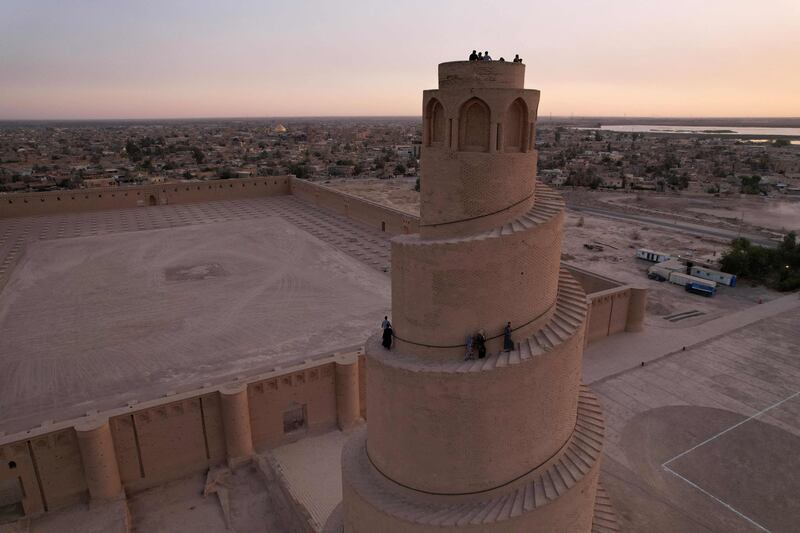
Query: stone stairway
x=547, y=205
x=605, y=519
x=567, y=319
x=555, y=479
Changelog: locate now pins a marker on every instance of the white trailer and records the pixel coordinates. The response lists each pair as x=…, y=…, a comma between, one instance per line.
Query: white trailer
x=673, y=265
x=679, y=278
x=713, y=275
x=658, y=273
x=651, y=255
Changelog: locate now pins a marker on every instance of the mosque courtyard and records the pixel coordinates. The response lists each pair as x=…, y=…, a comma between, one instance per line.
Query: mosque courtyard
x=129, y=305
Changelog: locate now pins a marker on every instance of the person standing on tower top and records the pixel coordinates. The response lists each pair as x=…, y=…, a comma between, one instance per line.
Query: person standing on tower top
x=508, y=344
x=473, y=56
x=486, y=56
x=517, y=59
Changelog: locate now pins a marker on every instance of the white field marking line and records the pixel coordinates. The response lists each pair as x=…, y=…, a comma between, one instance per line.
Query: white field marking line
x=773, y=406
x=727, y=506
x=701, y=489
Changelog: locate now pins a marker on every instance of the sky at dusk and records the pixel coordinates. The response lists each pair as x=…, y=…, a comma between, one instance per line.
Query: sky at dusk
x=203, y=58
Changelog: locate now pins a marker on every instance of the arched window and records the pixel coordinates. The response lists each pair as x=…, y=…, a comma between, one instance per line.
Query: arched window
x=436, y=122
x=473, y=126
x=515, y=127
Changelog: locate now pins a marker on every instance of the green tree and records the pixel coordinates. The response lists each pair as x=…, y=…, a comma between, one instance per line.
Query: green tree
x=777, y=268
x=226, y=173
x=133, y=151
x=750, y=184
x=301, y=171
x=199, y=156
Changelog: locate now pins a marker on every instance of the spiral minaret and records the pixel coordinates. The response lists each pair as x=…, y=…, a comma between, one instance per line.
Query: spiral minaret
x=510, y=442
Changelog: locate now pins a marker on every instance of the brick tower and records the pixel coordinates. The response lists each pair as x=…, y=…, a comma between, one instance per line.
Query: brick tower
x=510, y=442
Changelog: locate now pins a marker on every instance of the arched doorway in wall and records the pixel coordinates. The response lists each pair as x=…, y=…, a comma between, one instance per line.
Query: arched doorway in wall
x=515, y=127
x=473, y=126
x=151, y=200
x=435, y=123
x=294, y=418
x=11, y=498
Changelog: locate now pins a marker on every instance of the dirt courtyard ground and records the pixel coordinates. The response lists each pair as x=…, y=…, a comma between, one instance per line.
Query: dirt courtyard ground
x=132, y=315
x=398, y=193
x=750, y=211
x=706, y=439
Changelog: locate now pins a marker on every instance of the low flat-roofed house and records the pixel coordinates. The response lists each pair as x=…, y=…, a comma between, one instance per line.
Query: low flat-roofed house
x=91, y=183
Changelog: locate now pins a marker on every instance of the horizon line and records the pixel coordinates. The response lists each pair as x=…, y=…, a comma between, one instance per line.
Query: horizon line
x=279, y=117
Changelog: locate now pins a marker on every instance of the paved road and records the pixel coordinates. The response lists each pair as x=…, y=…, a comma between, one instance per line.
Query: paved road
x=694, y=229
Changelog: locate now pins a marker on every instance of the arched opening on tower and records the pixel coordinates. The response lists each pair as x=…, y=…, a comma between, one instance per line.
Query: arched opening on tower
x=515, y=128
x=473, y=126
x=435, y=123
x=151, y=200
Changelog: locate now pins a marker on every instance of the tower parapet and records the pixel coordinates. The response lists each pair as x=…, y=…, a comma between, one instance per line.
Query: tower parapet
x=512, y=441
x=478, y=158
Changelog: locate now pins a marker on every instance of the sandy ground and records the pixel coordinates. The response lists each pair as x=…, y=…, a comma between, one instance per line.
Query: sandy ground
x=398, y=193
x=723, y=417
x=180, y=506
x=313, y=472
x=750, y=212
x=620, y=239
x=135, y=314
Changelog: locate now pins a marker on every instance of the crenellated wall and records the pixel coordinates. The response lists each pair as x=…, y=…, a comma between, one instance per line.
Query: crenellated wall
x=77, y=200
x=165, y=439
x=380, y=217
x=613, y=307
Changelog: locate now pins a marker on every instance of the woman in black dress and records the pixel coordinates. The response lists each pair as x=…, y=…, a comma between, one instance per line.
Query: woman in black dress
x=508, y=344
x=388, y=333
x=480, y=342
